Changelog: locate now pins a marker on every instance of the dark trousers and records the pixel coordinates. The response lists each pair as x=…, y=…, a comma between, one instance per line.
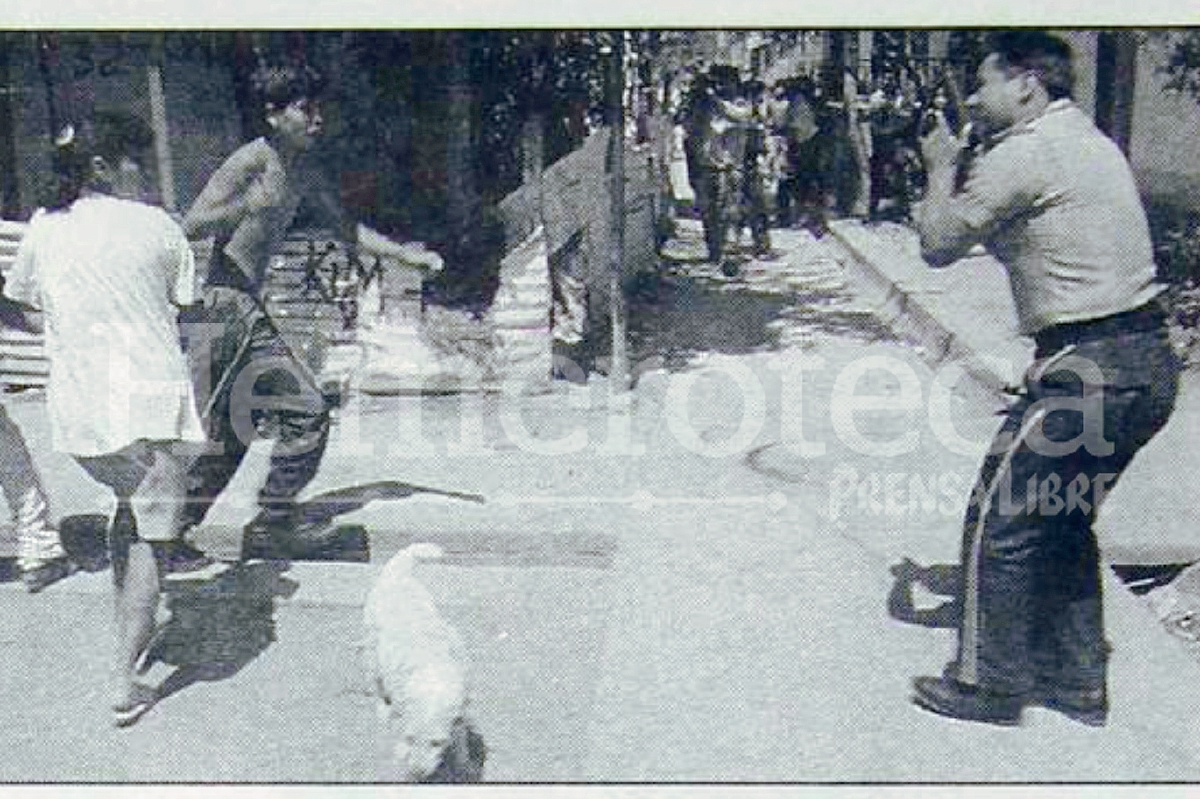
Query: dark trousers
x=756, y=208
x=1032, y=605
x=802, y=190
x=244, y=374
x=722, y=197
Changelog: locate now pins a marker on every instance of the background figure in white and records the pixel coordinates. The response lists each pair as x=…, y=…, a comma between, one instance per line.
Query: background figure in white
x=40, y=555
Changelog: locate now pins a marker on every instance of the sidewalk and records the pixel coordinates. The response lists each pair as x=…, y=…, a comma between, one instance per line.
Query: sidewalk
x=964, y=313
x=768, y=655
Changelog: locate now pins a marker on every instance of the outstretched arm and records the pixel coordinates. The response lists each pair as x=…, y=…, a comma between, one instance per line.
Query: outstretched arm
x=367, y=239
x=409, y=252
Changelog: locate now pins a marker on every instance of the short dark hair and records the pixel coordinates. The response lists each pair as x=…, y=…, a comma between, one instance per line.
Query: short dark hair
x=113, y=135
x=118, y=134
x=1046, y=56
x=280, y=85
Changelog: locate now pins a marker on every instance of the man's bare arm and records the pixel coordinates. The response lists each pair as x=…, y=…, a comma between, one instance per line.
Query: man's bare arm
x=368, y=239
x=227, y=197
x=409, y=252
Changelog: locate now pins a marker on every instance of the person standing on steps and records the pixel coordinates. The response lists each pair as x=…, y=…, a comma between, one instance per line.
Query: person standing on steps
x=1055, y=201
x=248, y=206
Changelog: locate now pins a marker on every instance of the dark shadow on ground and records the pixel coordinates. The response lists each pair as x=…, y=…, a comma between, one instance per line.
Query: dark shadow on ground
x=317, y=536
x=217, y=626
x=323, y=508
x=673, y=317
x=676, y=317
x=943, y=579
x=319, y=539
x=85, y=539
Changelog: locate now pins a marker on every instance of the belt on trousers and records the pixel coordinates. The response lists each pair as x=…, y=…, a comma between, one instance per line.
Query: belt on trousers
x=1145, y=318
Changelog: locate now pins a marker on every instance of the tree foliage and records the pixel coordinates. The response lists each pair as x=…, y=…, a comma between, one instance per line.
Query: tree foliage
x=553, y=75
x=1183, y=62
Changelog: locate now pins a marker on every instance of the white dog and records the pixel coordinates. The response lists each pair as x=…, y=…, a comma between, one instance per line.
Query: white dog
x=416, y=660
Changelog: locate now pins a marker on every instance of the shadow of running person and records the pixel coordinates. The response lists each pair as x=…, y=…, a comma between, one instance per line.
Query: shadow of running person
x=942, y=579
x=324, y=507
x=316, y=535
x=218, y=626
x=85, y=540
x=317, y=538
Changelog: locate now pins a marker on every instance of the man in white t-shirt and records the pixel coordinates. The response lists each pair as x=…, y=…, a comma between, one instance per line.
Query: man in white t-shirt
x=110, y=275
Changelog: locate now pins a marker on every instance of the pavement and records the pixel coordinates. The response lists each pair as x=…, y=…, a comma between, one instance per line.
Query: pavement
x=687, y=582
x=964, y=315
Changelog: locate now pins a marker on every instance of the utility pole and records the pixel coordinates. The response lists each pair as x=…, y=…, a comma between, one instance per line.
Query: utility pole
x=1116, y=78
x=619, y=370
x=47, y=47
x=10, y=196
x=158, y=123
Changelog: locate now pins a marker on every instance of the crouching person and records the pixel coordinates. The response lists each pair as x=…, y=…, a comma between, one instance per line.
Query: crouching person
x=109, y=274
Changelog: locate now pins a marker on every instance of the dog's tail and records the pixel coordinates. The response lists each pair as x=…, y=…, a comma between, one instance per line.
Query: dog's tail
x=402, y=562
x=398, y=569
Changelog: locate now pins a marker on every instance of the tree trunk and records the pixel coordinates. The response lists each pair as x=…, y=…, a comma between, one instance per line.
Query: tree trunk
x=1116, y=77
x=463, y=202
x=10, y=196
x=244, y=63
x=619, y=370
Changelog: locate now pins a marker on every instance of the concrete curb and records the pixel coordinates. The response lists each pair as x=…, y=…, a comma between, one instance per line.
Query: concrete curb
x=904, y=294
x=1151, y=673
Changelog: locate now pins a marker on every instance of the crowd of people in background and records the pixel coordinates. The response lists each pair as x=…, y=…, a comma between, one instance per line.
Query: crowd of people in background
x=794, y=152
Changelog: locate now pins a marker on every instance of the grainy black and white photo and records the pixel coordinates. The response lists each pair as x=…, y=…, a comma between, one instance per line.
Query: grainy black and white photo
x=389, y=405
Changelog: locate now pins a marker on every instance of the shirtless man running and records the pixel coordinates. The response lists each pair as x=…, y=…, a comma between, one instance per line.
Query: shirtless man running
x=248, y=205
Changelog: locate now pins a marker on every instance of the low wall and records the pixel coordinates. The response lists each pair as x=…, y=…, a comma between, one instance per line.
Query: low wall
x=575, y=202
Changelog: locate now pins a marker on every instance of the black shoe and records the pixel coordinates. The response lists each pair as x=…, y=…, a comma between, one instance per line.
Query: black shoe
x=182, y=561
x=1087, y=706
x=289, y=537
x=46, y=574
x=949, y=697
x=263, y=541
x=278, y=536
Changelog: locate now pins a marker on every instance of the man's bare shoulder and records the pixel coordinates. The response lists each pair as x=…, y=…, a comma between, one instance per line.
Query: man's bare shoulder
x=252, y=156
